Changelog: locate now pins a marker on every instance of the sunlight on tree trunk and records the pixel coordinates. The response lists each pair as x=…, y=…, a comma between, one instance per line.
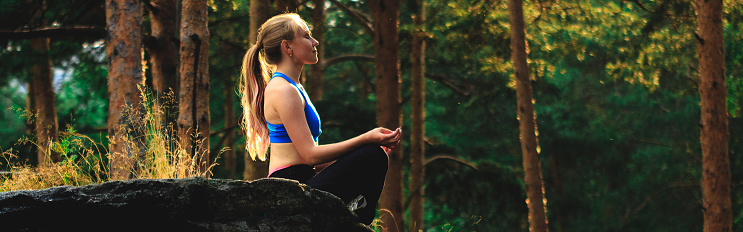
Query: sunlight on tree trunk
x=124, y=51
x=527, y=121
x=193, y=114
x=385, y=14
x=714, y=119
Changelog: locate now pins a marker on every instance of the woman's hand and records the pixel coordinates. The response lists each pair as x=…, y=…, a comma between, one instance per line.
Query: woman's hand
x=387, y=138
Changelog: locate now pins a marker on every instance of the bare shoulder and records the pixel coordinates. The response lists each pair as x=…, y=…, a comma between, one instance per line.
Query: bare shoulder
x=280, y=91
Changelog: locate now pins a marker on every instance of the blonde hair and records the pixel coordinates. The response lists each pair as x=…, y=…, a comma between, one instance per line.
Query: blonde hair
x=257, y=67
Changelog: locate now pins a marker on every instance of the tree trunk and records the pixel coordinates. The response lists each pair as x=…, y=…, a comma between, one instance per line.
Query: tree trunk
x=124, y=51
x=229, y=120
x=193, y=113
x=714, y=118
x=385, y=14
x=315, y=79
x=260, y=12
x=163, y=54
x=44, y=100
x=418, y=111
x=527, y=121
x=30, y=108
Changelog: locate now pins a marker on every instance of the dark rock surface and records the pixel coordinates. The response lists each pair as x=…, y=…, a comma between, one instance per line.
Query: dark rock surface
x=192, y=204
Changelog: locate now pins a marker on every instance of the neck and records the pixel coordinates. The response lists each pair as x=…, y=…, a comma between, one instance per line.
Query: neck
x=291, y=71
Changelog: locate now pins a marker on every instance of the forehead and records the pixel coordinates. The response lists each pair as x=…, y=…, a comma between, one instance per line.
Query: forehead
x=302, y=26
x=304, y=29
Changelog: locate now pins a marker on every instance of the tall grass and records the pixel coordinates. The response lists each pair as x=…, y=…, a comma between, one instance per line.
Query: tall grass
x=85, y=161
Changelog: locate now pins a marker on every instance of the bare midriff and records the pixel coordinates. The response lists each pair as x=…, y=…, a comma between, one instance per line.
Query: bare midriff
x=284, y=155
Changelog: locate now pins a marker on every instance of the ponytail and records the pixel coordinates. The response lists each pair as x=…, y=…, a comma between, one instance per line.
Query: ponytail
x=255, y=74
x=253, y=79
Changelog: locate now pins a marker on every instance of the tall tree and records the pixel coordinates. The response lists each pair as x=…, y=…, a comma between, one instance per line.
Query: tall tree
x=714, y=119
x=229, y=120
x=260, y=12
x=44, y=99
x=385, y=14
x=315, y=79
x=163, y=50
x=193, y=113
x=124, y=51
x=44, y=102
x=418, y=115
x=527, y=120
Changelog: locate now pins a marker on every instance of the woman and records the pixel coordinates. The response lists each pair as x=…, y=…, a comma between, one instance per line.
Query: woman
x=279, y=113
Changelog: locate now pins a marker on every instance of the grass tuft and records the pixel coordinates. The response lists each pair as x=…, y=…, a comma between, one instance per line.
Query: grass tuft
x=85, y=161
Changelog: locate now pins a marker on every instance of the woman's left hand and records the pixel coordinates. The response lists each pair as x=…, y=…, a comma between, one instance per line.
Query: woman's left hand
x=389, y=139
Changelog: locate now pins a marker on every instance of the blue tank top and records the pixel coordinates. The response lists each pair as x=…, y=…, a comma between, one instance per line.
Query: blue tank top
x=277, y=133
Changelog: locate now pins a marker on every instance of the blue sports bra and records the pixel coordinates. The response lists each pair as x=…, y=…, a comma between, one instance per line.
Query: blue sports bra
x=277, y=133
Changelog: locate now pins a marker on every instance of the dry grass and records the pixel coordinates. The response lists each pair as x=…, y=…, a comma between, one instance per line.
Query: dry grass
x=161, y=155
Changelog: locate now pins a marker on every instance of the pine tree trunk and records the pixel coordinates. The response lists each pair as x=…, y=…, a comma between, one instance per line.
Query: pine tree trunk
x=229, y=120
x=418, y=111
x=315, y=79
x=44, y=98
x=193, y=113
x=260, y=12
x=714, y=118
x=163, y=54
x=527, y=121
x=385, y=14
x=124, y=51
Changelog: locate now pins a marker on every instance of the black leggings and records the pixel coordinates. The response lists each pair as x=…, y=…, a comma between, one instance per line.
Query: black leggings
x=359, y=173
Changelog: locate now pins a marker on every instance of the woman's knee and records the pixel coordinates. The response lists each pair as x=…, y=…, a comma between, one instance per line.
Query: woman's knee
x=374, y=154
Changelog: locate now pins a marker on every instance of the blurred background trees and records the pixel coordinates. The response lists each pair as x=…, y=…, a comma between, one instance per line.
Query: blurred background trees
x=615, y=89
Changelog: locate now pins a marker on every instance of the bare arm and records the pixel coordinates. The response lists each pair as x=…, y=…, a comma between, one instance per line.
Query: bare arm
x=290, y=109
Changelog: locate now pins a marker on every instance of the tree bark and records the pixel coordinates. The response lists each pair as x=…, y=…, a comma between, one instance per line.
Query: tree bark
x=260, y=12
x=193, y=113
x=315, y=79
x=163, y=53
x=45, y=108
x=714, y=118
x=385, y=14
x=527, y=121
x=418, y=115
x=124, y=51
x=229, y=120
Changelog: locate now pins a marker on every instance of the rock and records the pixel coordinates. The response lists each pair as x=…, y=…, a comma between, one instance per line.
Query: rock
x=192, y=204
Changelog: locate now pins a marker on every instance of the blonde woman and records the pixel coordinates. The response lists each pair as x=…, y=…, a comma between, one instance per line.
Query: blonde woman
x=279, y=113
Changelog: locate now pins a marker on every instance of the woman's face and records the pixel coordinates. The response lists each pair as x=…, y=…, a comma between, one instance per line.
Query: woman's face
x=303, y=47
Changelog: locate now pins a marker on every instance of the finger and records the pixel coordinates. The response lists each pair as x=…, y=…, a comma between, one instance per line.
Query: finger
x=397, y=136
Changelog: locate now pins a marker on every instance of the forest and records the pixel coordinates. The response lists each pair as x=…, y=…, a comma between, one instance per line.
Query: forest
x=540, y=115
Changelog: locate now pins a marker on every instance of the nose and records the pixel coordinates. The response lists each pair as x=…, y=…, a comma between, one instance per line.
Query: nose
x=315, y=42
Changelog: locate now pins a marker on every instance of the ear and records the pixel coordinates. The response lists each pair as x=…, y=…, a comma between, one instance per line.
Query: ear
x=285, y=46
